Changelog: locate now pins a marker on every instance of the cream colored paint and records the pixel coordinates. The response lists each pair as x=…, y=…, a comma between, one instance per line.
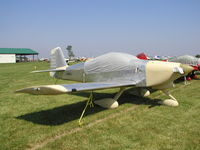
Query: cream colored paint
x=59, y=88
x=159, y=72
x=169, y=102
x=63, y=67
x=45, y=90
x=107, y=103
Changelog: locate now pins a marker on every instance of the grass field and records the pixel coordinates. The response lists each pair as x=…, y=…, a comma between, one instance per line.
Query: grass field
x=51, y=122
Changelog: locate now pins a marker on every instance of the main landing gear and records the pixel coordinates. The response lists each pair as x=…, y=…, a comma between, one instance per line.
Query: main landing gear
x=105, y=103
x=169, y=102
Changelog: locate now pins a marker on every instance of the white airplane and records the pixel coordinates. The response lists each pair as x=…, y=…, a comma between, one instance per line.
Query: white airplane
x=111, y=70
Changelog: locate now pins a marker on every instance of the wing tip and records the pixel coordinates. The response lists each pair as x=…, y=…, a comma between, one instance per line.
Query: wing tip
x=44, y=90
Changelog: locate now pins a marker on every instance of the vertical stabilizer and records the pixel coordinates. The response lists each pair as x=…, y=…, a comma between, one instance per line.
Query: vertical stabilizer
x=57, y=60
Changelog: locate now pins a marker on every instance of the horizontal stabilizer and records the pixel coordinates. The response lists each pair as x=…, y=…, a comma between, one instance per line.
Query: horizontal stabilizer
x=68, y=88
x=50, y=70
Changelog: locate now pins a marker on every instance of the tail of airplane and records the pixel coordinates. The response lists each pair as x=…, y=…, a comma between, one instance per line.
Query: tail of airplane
x=57, y=58
x=57, y=62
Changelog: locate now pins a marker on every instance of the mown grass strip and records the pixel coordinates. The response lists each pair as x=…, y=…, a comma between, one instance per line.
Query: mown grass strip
x=89, y=125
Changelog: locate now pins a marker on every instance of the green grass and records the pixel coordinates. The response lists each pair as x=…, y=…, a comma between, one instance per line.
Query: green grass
x=51, y=122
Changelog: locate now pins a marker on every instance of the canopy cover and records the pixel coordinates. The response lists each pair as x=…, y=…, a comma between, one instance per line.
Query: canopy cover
x=115, y=67
x=110, y=62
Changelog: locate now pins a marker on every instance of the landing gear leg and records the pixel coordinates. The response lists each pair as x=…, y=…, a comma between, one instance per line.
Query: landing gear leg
x=169, y=102
x=56, y=81
x=185, y=80
x=110, y=102
x=88, y=103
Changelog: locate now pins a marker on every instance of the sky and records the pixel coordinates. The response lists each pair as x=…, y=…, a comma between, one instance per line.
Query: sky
x=95, y=27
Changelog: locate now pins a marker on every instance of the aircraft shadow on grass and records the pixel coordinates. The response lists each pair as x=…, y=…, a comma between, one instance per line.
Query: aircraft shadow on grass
x=70, y=112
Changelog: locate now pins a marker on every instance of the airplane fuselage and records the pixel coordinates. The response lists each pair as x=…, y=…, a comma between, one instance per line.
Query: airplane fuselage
x=116, y=67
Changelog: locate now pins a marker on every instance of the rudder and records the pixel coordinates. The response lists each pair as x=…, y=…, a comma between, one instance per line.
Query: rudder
x=57, y=58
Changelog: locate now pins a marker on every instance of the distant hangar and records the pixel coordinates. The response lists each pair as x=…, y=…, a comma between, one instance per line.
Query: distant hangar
x=13, y=55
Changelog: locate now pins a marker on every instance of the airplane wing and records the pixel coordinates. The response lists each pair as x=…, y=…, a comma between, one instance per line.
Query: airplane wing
x=68, y=88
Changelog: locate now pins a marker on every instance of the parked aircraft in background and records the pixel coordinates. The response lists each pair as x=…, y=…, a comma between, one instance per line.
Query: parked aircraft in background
x=142, y=56
x=189, y=60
